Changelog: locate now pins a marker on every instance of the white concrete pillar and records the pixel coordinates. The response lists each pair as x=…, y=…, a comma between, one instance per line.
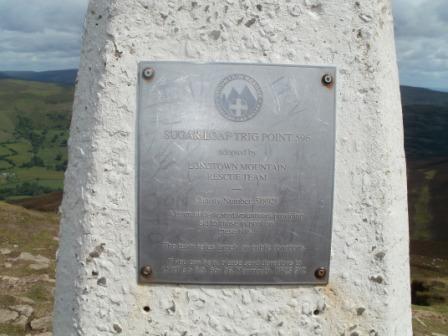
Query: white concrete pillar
x=368, y=292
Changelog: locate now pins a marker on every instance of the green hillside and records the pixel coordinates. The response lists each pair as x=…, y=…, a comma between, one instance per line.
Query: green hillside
x=34, y=122
x=428, y=199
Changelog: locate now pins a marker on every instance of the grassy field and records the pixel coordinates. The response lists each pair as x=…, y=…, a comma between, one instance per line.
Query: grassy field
x=34, y=122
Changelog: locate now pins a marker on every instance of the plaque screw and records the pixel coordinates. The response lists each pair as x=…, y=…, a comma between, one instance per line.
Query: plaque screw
x=148, y=73
x=327, y=79
x=146, y=271
x=320, y=273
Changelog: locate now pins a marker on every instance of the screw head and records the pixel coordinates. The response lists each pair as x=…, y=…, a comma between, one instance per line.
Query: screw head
x=327, y=79
x=320, y=273
x=148, y=73
x=146, y=271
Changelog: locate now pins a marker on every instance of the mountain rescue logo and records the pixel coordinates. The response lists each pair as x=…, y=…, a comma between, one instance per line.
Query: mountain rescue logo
x=238, y=97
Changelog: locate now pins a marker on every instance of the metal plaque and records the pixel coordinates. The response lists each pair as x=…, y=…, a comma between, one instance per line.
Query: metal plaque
x=235, y=173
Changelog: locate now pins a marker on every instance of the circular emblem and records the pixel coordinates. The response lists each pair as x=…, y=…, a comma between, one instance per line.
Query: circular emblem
x=238, y=97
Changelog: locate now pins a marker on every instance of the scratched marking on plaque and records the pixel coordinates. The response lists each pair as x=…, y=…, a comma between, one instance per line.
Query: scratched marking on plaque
x=235, y=173
x=286, y=96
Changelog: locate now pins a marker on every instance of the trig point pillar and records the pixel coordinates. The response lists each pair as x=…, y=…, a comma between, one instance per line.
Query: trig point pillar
x=235, y=168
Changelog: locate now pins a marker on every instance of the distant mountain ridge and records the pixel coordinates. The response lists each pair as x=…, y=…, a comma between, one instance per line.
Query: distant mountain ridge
x=420, y=96
x=425, y=117
x=63, y=77
x=41, y=113
x=410, y=95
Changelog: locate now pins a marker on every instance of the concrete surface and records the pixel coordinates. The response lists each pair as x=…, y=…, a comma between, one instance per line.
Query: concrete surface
x=368, y=293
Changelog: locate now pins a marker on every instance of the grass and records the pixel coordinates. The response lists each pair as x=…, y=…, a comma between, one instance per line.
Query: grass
x=10, y=330
x=53, y=155
x=4, y=165
x=17, y=198
x=28, y=229
x=430, y=174
x=429, y=268
x=38, y=293
x=426, y=322
x=19, y=147
x=7, y=301
x=422, y=214
x=23, y=230
x=35, y=101
x=427, y=196
x=41, y=173
x=34, y=122
x=4, y=151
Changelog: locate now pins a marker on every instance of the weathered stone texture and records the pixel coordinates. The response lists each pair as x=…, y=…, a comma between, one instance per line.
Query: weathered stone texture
x=368, y=293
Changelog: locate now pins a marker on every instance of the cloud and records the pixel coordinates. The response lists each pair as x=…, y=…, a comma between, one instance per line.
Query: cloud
x=46, y=34
x=40, y=34
x=421, y=31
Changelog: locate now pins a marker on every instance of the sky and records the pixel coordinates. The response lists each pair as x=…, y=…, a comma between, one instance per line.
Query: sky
x=46, y=35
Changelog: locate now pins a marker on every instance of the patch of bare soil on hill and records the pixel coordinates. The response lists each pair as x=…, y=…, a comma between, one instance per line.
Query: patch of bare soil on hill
x=47, y=202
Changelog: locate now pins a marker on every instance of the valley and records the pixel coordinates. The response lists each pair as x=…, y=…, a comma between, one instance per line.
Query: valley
x=34, y=122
